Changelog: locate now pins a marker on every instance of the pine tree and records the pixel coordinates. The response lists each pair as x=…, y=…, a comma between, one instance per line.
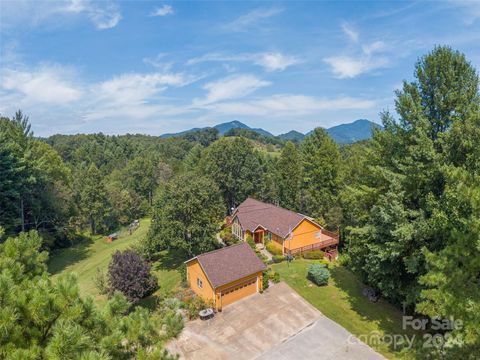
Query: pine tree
x=320, y=181
x=289, y=176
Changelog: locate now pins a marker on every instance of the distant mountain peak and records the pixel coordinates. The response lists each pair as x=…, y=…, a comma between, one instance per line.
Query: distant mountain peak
x=357, y=130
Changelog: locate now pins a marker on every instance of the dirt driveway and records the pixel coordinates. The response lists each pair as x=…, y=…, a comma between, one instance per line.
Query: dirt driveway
x=268, y=326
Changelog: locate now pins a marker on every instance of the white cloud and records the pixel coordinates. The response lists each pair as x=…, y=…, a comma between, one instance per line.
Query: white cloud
x=244, y=22
x=349, y=67
x=270, y=61
x=367, y=58
x=470, y=9
x=276, y=61
x=48, y=84
x=134, y=96
x=350, y=32
x=231, y=87
x=104, y=15
x=162, y=10
x=288, y=105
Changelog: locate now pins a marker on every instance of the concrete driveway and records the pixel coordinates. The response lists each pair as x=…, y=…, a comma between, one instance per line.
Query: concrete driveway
x=278, y=324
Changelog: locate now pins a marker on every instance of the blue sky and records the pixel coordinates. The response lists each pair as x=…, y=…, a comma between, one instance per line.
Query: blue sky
x=163, y=66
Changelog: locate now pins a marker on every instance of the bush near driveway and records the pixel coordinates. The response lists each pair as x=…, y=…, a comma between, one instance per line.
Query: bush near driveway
x=278, y=258
x=318, y=273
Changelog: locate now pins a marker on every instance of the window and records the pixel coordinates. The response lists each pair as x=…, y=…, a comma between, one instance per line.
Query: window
x=318, y=234
x=199, y=283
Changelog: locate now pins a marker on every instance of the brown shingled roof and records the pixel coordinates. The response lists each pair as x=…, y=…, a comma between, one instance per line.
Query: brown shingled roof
x=230, y=263
x=253, y=213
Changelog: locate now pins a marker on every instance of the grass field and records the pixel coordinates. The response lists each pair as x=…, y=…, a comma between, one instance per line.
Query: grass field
x=343, y=302
x=95, y=253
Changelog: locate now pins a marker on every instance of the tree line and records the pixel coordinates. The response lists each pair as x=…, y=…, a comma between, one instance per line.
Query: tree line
x=407, y=201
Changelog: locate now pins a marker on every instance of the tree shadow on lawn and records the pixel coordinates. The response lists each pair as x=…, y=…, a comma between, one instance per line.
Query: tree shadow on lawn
x=170, y=259
x=387, y=316
x=63, y=258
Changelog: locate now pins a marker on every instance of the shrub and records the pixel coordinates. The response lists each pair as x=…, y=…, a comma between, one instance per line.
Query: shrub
x=130, y=274
x=272, y=249
x=289, y=257
x=251, y=242
x=278, y=258
x=265, y=279
x=101, y=282
x=196, y=305
x=173, y=323
x=314, y=255
x=276, y=278
x=318, y=274
x=344, y=259
x=324, y=262
x=183, y=273
x=230, y=239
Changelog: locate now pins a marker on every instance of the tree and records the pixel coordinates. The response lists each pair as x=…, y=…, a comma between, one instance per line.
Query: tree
x=234, y=165
x=401, y=201
x=45, y=320
x=131, y=275
x=289, y=176
x=34, y=181
x=93, y=199
x=12, y=178
x=452, y=282
x=140, y=177
x=320, y=183
x=186, y=215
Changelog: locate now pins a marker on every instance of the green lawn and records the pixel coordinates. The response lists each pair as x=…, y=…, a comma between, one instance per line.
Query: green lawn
x=343, y=302
x=95, y=253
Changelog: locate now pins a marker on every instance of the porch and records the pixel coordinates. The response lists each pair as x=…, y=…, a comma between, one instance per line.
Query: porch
x=328, y=242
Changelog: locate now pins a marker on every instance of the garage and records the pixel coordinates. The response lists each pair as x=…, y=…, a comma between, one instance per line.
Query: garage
x=239, y=291
x=226, y=275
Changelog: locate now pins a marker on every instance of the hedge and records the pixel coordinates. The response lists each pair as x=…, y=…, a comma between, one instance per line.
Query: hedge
x=318, y=273
x=272, y=249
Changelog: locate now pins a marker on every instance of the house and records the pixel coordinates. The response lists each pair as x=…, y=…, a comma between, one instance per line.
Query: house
x=226, y=275
x=289, y=231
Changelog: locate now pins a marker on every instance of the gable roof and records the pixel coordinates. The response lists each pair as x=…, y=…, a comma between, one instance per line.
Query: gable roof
x=253, y=213
x=230, y=263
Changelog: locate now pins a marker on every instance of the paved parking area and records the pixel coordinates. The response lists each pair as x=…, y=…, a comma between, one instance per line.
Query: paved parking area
x=278, y=325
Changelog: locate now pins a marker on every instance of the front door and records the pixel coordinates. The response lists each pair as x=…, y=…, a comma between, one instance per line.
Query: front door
x=258, y=237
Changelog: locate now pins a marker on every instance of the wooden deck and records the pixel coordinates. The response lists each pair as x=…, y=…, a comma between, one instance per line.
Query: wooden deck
x=329, y=239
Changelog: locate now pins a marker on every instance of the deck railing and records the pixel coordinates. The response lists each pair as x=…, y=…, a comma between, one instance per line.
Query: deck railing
x=333, y=241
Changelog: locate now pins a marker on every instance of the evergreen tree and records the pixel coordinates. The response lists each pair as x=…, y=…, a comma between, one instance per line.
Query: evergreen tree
x=399, y=200
x=235, y=167
x=452, y=283
x=93, y=199
x=289, y=176
x=320, y=181
x=45, y=320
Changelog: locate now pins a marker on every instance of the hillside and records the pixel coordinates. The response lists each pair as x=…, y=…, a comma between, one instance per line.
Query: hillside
x=355, y=131
x=292, y=135
x=222, y=128
x=343, y=134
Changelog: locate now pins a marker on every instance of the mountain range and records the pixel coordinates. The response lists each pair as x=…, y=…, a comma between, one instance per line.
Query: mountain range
x=343, y=134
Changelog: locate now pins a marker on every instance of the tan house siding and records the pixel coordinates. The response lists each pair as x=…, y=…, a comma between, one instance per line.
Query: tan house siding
x=237, y=289
x=306, y=233
x=194, y=272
